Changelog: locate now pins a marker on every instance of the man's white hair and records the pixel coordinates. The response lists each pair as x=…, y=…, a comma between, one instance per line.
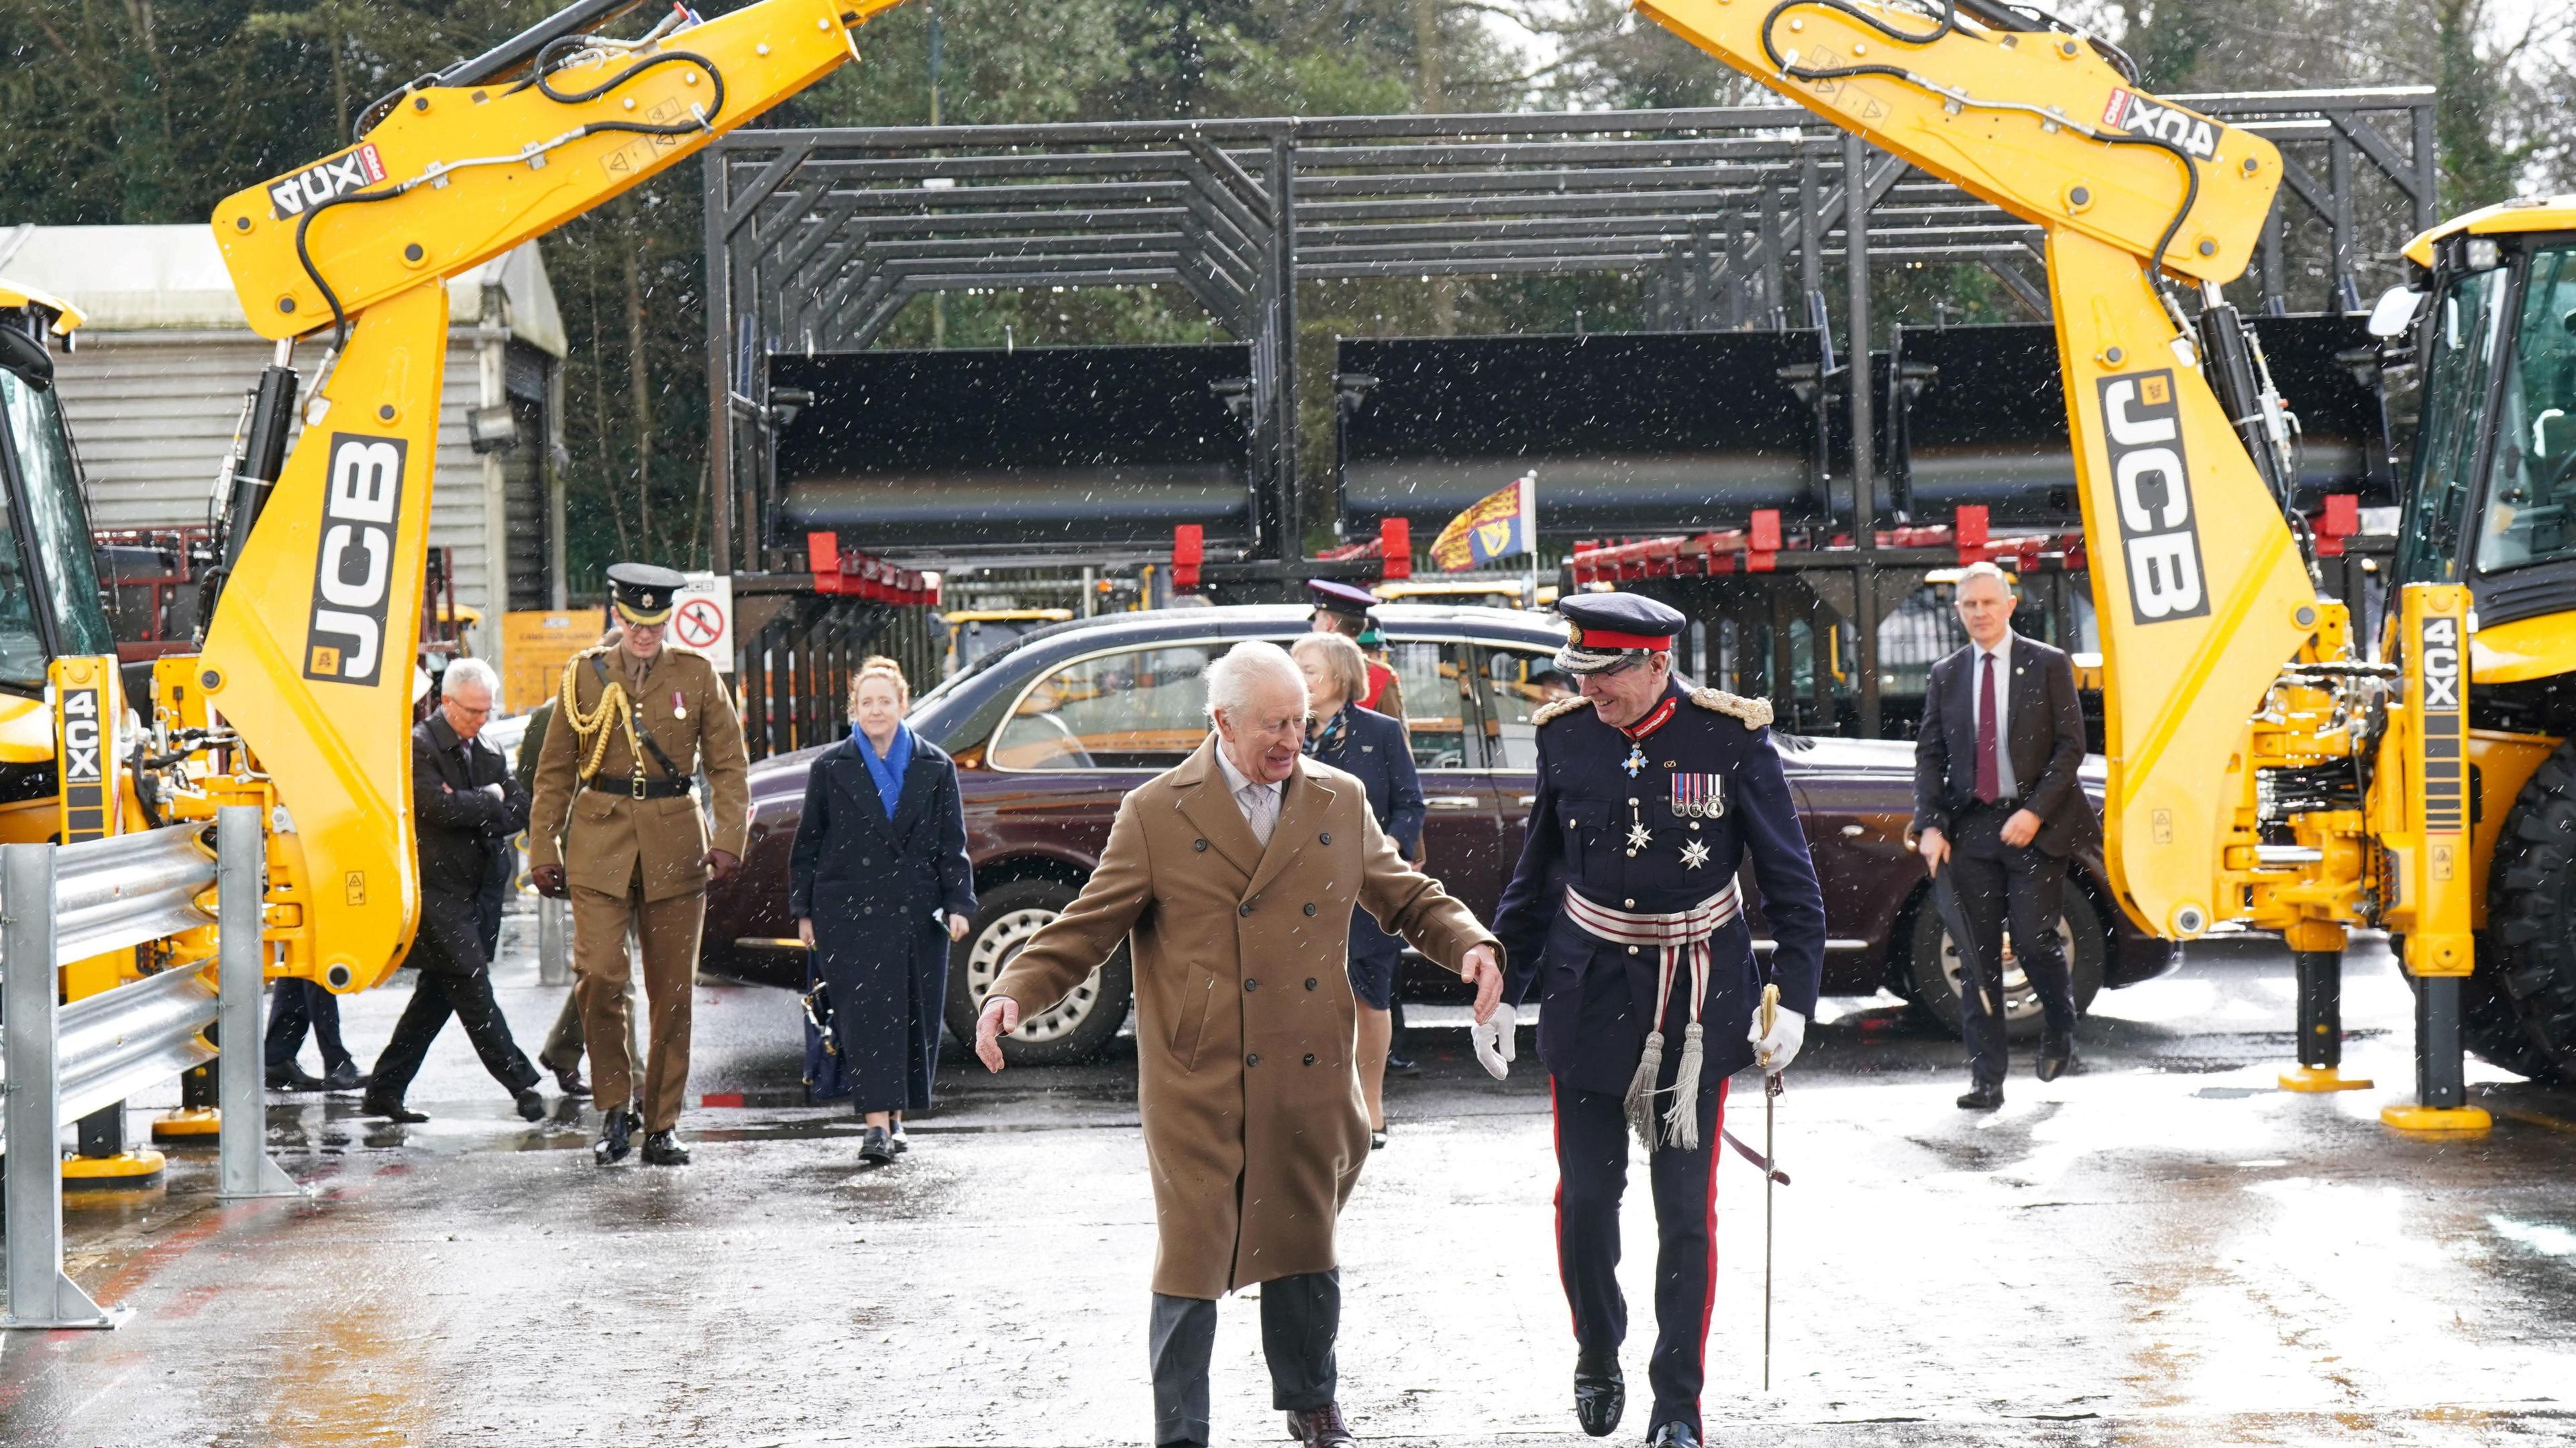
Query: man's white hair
x=1233, y=679
x=472, y=671
x=1982, y=569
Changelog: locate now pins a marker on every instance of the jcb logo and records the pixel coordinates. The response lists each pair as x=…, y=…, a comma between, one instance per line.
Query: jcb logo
x=353, y=577
x=351, y=170
x=2159, y=540
x=2135, y=114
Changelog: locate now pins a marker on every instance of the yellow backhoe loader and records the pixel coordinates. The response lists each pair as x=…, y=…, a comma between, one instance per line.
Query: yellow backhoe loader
x=2267, y=769
x=300, y=701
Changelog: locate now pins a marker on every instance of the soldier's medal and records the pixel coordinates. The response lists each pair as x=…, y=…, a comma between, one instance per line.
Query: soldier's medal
x=1699, y=796
x=1695, y=854
x=1635, y=761
x=679, y=707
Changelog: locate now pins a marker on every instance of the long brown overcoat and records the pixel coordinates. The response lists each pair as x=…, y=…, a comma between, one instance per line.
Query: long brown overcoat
x=1245, y=1025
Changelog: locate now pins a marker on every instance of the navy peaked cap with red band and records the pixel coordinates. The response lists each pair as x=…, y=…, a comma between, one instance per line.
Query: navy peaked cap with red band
x=1609, y=627
x=1343, y=598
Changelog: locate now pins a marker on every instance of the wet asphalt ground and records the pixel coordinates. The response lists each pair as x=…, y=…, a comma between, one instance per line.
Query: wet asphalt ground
x=2161, y=1250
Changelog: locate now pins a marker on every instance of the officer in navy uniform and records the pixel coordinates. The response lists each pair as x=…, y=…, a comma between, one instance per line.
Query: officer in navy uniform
x=1624, y=913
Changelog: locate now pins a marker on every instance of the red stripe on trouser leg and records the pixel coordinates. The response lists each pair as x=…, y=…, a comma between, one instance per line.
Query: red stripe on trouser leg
x=1708, y=1298
x=1556, y=1141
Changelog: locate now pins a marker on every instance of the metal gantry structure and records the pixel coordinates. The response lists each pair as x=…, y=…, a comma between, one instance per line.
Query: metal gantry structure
x=1731, y=218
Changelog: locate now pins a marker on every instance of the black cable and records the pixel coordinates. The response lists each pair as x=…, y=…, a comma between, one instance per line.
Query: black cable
x=1948, y=26
x=339, y=315
x=538, y=77
x=715, y=108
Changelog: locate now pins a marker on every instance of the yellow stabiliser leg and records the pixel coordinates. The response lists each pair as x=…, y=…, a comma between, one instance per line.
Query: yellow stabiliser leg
x=2317, y=946
x=128, y=1170
x=2427, y=742
x=188, y=1123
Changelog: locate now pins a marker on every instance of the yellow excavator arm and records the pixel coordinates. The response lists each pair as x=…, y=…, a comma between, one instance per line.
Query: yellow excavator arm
x=2201, y=592
x=310, y=651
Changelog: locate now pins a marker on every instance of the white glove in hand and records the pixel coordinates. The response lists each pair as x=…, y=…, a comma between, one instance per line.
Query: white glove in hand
x=496, y=792
x=1775, y=1051
x=1496, y=1041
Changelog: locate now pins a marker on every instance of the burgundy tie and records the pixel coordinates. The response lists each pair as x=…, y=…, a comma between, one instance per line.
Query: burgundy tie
x=1989, y=777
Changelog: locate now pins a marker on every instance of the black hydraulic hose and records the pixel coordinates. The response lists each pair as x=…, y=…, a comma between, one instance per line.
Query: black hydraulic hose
x=545, y=87
x=543, y=58
x=1949, y=26
x=505, y=59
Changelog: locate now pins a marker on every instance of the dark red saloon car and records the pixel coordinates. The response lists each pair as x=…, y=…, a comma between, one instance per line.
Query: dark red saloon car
x=1051, y=731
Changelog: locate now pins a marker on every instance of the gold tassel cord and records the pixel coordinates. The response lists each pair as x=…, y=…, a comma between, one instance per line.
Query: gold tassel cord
x=592, y=728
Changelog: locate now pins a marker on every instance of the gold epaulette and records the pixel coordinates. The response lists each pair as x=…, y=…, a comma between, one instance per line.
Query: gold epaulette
x=1756, y=713
x=1560, y=709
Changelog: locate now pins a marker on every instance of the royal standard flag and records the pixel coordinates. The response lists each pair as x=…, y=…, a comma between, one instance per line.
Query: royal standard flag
x=1500, y=524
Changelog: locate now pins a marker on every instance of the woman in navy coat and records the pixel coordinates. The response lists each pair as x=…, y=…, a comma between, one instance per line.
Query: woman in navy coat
x=879, y=885
x=1375, y=748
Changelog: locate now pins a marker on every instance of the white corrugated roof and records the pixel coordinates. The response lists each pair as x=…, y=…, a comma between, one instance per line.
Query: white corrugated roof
x=172, y=278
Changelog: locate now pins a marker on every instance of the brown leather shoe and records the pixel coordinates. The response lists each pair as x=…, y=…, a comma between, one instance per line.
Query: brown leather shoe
x=1321, y=1428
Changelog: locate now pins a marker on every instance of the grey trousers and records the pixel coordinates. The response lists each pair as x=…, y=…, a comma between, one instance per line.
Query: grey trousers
x=1300, y=1316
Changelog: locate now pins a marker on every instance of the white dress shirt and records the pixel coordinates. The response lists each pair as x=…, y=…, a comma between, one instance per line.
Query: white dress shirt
x=1259, y=802
x=2004, y=783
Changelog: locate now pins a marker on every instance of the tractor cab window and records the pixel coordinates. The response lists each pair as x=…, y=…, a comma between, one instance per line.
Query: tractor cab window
x=46, y=512
x=2467, y=324
x=2530, y=504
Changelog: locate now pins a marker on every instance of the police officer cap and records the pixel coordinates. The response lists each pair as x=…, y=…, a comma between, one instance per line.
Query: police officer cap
x=644, y=592
x=1342, y=598
x=1611, y=627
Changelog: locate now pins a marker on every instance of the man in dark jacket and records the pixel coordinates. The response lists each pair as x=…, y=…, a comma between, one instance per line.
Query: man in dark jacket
x=1996, y=802
x=468, y=807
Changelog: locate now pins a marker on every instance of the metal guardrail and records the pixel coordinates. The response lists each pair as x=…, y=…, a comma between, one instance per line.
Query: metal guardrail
x=60, y=1062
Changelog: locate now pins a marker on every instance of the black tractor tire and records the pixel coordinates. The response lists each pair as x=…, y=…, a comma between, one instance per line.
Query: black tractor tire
x=1075, y=1030
x=1932, y=967
x=2528, y=950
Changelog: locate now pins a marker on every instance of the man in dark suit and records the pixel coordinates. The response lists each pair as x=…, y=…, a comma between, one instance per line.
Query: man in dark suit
x=1996, y=801
x=468, y=807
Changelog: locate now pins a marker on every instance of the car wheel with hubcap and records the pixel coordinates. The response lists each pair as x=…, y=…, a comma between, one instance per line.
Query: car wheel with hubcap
x=1075, y=1029
x=1933, y=963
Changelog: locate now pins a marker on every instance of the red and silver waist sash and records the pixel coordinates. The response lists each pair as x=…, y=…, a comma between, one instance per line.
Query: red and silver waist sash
x=1666, y=930
x=1676, y=935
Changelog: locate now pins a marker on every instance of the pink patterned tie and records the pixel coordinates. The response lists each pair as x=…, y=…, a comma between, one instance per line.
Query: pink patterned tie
x=1989, y=777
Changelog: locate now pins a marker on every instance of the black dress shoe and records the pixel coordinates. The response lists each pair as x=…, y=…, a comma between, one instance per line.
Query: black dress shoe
x=568, y=1078
x=1321, y=1428
x=616, y=1136
x=877, y=1147
x=1673, y=1435
x=1600, y=1396
x=389, y=1110
x=902, y=1141
x=1377, y=1139
x=1401, y=1064
x=532, y=1107
x=344, y=1077
x=291, y=1077
x=662, y=1148
x=2056, y=1060
x=1982, y=1097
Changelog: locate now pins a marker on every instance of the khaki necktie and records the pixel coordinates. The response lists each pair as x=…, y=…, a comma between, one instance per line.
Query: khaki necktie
x=1260, y=803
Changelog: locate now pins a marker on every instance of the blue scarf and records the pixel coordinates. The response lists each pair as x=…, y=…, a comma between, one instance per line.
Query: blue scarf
x=887, y=772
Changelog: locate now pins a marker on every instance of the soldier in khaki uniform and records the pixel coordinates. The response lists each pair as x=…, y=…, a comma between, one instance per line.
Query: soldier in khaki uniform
x=616, y=826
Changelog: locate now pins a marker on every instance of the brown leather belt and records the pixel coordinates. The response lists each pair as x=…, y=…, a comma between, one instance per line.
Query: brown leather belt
x=640, y=788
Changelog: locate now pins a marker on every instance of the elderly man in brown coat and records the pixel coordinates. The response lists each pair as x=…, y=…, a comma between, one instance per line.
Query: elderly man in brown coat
x=1235, y=874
